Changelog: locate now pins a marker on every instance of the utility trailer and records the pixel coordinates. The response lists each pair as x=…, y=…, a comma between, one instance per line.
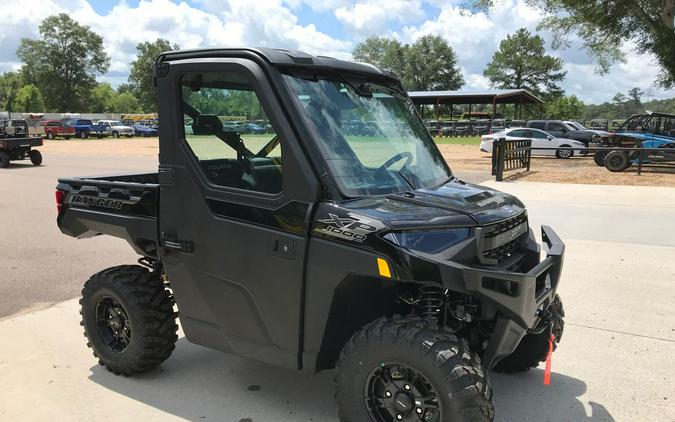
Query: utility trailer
x=311, y=247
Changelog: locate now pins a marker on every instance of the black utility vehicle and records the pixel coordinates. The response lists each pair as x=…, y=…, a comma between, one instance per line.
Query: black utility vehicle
x=312, y=247
x=15, y=144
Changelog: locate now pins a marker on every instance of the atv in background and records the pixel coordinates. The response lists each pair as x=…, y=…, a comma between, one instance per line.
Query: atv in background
x=15, y=144
x=649, y=130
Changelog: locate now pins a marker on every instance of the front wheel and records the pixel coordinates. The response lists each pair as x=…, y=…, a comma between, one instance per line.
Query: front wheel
x=564, y=153
x=35, y=157
x=116, y=134
x=84, y=134
x=128, y=318
x=50, y=135
x=405, y=370
x=533, y=348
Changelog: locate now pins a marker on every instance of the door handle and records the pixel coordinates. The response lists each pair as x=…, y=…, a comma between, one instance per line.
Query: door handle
x=172, y=242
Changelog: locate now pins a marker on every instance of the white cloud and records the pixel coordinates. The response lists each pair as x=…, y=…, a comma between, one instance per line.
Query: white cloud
x=216, y=24
x=373, y=16
x=275, y=23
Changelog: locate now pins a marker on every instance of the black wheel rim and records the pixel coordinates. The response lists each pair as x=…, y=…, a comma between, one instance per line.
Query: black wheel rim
x=112, y=324
x=616, y=161
x=396, y=392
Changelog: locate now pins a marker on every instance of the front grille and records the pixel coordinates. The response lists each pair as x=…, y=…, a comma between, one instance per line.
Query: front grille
x=498, y=248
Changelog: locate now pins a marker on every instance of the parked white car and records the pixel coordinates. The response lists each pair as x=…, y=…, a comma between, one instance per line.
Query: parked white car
x=115, y=128
x=540, y=139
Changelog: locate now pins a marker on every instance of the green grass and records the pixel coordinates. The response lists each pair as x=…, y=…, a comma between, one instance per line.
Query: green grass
x=460, y=140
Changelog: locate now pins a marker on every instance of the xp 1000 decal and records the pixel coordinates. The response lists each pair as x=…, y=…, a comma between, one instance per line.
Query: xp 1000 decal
x=347, y=228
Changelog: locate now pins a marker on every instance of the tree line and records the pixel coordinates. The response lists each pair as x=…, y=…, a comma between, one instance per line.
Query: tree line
x=60, y=68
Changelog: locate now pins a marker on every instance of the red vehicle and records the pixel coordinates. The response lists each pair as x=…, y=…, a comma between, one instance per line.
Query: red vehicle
x=54, y=128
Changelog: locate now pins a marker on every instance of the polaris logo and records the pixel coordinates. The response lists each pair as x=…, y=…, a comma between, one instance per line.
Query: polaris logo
x=511, y=235
x=345, y=228
x=91, y=201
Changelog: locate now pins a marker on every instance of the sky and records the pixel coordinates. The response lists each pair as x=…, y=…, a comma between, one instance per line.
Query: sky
x=328, y=27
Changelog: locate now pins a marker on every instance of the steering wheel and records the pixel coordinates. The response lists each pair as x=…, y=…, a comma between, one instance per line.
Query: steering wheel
x=396, y=158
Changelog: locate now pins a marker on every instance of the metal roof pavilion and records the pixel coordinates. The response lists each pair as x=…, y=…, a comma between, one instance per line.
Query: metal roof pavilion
x=495, y=96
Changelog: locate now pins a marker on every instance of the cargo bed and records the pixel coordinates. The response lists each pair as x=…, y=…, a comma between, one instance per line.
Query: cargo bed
x=123, y=206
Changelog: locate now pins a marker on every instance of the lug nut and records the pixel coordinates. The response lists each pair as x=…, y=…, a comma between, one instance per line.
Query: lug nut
x=387, y=394
x=419, y=410
x=399, y=417
x=407, y=387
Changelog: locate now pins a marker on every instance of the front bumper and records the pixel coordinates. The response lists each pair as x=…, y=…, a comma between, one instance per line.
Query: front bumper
x=519, y=297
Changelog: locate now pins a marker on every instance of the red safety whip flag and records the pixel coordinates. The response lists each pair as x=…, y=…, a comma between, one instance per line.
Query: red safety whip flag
x=547, y=372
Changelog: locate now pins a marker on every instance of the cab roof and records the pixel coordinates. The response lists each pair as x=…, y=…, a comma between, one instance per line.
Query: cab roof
x=282, y=58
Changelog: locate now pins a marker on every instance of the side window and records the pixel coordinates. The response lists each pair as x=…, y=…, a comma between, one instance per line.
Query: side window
x=227, y=129
x=537, y=125
x=556, y=127
x=539, y=134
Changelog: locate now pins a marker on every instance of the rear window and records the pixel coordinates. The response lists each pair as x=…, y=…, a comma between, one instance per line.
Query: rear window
x=84, y=122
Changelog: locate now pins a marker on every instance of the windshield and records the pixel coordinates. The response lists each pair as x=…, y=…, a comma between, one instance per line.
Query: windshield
x=116, y=123
x=370, y=135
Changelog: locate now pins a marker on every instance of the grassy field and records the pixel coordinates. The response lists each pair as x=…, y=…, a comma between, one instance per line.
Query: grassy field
x=466, y=140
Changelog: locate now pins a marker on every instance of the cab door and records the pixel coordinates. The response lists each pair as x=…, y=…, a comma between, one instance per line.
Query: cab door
x=234, y=209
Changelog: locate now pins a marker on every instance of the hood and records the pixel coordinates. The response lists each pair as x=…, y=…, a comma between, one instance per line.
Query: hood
x=454, y=204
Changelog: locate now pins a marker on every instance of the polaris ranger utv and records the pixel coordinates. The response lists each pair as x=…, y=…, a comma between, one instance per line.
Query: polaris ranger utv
x=312, y=247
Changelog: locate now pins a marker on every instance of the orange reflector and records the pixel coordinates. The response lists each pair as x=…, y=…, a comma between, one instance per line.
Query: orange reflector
x=383, y=268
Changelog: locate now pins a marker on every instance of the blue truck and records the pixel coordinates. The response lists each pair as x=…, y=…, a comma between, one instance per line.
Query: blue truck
x=85, y=128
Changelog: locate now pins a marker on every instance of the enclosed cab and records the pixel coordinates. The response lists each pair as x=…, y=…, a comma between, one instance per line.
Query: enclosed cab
x=338, y=237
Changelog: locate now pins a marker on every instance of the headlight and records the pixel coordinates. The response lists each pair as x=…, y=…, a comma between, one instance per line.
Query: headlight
x=431, y=241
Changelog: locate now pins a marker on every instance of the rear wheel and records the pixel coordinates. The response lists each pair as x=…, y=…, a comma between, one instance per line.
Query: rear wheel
x=50, y=135
x=67, y=137
x=617, y=161
x=533, y=348
x=84, y=134
x=405, y=370
x=35, y=157
x=599, y=158
x=128, y=318
x=116, y=134
x=4, y=159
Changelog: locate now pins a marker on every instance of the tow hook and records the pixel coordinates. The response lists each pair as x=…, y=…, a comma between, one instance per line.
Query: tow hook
x=545, y=323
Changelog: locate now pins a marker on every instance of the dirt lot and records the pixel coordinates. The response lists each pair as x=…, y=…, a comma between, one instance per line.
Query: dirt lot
x=544, y=169
x=460, y=157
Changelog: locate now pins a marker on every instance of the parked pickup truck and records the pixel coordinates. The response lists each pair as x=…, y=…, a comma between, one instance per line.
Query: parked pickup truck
x=375, y=261
x=115, y=128
x=564, y=129
x=56, y=128
x=85, y=128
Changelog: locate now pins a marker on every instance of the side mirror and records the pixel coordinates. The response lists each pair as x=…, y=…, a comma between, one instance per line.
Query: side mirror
x=549, y=137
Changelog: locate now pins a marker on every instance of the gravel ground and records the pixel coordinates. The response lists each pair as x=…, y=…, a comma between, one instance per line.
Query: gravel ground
x=461, y=158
